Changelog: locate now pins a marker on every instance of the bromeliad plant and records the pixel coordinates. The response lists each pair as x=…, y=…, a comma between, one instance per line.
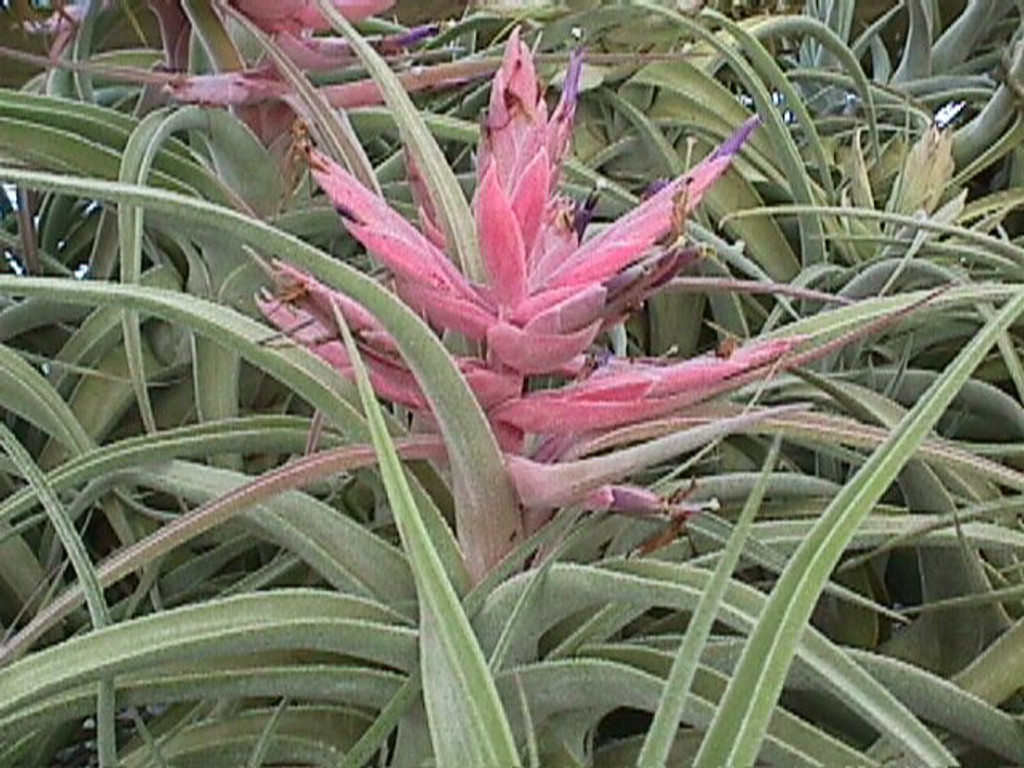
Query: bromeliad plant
x=548, y=293
x=551, y=665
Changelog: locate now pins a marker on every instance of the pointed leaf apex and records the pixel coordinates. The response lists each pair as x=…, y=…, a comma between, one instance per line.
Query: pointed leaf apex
x=515, y=82
x=571, y=87
x=732, y=145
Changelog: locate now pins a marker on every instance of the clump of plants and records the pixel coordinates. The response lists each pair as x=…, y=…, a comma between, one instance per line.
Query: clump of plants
x=366, y=404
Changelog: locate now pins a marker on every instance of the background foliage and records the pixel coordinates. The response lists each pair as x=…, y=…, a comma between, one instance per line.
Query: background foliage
x=187, y=579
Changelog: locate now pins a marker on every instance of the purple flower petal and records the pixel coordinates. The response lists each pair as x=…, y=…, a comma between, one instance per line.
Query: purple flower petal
x=732, y=145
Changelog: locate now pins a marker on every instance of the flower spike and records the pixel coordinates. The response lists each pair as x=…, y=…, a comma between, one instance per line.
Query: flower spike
x=546, y=297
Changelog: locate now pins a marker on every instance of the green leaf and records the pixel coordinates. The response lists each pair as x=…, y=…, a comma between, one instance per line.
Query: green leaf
x=313, y=620
x=571, y=589
x=347, y=555
x=735, y=736
x=765, y=64
x=788, y=26
x=811, y=227
x=80, y=128
x=222, y=678
x=453, y=211
x=665, y=725
x=468, y=725
x=222, y=509
x=136, y=162
x=86, y=574
x=24, y=391
x=215, y=381
x=487, y=513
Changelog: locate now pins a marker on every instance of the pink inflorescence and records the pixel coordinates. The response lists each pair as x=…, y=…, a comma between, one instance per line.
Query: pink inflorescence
x=548, y=292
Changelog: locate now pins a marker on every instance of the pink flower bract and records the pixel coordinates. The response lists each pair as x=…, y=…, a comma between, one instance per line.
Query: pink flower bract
x=548, y=294
x=303, y=16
